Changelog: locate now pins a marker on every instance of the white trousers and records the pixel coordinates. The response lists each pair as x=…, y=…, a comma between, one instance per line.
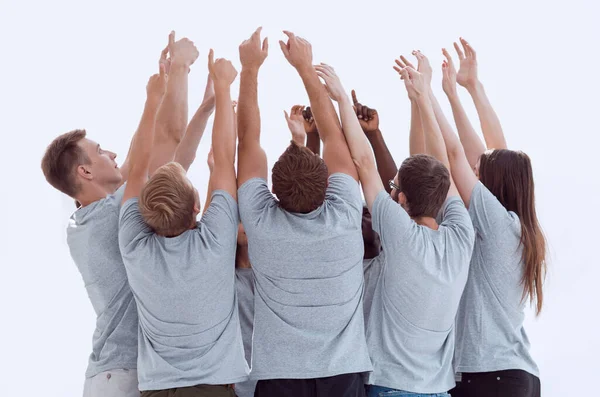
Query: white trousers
x=113, y=383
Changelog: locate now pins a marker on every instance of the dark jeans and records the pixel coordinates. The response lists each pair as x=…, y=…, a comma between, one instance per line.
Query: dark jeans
x=509, y=383
x=345, y=385
x=192, y=391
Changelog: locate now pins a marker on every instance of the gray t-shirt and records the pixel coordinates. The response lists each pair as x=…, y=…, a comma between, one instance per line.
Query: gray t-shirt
x=372, y=269
x=244, y=285
x=92, y=236
x=489, y=329
x=184, y=287
x=411, y=324
x=308, y=314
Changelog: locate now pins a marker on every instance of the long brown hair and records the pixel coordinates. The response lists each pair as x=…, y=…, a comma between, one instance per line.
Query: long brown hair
x=508, y=175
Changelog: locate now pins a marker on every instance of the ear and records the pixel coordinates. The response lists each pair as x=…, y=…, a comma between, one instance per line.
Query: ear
x=84, y=171
x=402, y=199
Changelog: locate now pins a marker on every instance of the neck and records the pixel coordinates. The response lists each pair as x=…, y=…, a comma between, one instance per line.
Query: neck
x=427, y=221
x=242, y=259
x=93, y=192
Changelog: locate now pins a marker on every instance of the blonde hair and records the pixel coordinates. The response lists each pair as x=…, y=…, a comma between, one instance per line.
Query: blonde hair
x=167, y=201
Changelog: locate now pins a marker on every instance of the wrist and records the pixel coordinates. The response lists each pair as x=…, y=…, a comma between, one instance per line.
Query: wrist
x=153, y=101
x=373, y=134
x=475, y=88
x=304, y=70
x=250, y=70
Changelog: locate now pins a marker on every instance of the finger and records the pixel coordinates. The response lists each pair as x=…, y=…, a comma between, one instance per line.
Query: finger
x=359, y=109
x=397, y=69
x=406, y=61
x=289, y=34
x=468, y=46
x=372, y=114
x=265, y=45
x=411, y=72
x=287, y=116
x=171, y=39
x=460, y=53
x=256, y=34
x=211, y=59
x=284, y=49
x=448, y=57
x=354, y=100
x=465, y=46
x=365, y=113
x=161, y=71
x=400, y=63
x=323, y=76
x=324, y=70
x=164, y=53
x=404, y=73
x=329, y=68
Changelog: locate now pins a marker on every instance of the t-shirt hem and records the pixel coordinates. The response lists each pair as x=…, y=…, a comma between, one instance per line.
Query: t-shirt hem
x=414, y=389
x=306, y=375
x=173, y=385
x=90, y=373
x=496, y=367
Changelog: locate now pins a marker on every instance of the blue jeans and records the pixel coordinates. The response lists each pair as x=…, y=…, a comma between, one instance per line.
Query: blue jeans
x=380, y=391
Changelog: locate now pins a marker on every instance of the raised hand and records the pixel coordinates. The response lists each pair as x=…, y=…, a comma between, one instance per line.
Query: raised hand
x=157, y=85
x=423, y=66
x=297, y=51
x=310, y=126
x=415, y=83
x=183, y=51
x=221, y=71
x=448, y=74
x=332, y=82
x=252, y=54
x=295, y=122
x=367, y=117
x=467, y=73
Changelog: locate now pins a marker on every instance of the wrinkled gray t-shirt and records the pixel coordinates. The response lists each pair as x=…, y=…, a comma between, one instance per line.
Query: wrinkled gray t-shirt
x=92, y=236
x=411, y=323
x=184, y=287
x=244, y=285
x=308, y=314
x=489, y=329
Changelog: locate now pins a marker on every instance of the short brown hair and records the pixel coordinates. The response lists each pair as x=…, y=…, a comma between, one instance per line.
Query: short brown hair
x=425, y=182
x=61, y=159
x=167, y=201
x=299, y=180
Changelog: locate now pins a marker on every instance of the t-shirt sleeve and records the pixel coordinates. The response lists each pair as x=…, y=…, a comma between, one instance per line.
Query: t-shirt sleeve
x=132, y=228
x=390, y=221
x=254, y=197
x=343, y=187
x=487, y=213
x=455, y=217
x=221, y=217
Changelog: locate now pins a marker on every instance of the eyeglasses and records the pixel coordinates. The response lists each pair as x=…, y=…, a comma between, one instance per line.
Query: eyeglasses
x=393, y=185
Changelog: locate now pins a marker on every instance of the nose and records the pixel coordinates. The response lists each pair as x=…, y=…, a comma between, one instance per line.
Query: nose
x=113, y=155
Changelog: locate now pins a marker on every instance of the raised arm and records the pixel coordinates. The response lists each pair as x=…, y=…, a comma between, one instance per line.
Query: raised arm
x=313, y=140
x=141, y=147
x=186, y=151
x=471, y=142
x=172, y=117
x=252, y=160
x=222, y=73
x=358, y=143
x=467, y=77
x=369, y=122
x=295, y=122
x=336, y=154
x=418, y=91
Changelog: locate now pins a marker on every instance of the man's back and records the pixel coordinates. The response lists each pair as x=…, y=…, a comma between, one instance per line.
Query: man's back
x=184, y=287
x=92, y=236
x=309, y=281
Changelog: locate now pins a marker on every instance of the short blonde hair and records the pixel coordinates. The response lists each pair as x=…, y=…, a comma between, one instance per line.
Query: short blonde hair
x=167, y=201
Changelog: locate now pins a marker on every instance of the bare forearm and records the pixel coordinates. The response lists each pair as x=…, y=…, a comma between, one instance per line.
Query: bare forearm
x=186, y=151
x=223, y=137
x=471, y=143
x=386, y=166
x=416, y=137
x=490, y=123
x=208, y=194
x=313, y=142
x=434, y=142
x=172, y=116
x=248, y=114
x=143, y=140
x=320, y=104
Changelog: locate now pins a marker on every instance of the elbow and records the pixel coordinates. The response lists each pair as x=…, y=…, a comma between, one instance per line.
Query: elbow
x=364, y=161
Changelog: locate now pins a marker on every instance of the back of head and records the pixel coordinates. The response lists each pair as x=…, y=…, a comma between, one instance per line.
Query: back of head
x=299, y=180
x=61, y=160
x=508, y=175
x=425, y=182
x=167, y=201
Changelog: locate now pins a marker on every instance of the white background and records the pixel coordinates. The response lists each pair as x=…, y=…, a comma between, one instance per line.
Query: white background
x=70, y=65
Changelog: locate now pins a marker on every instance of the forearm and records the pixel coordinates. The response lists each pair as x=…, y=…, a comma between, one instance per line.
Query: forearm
x=186, y=151
x=172, y=116
x=313, y=142
x=386, y=166
x=358, y=143
x=208, y=194
x=143, y=140
x=434, y=142
x=471, y=143
x=323, y=111
x=490, y=123
x=223, y=137
x=248, y=114
x=416, y=137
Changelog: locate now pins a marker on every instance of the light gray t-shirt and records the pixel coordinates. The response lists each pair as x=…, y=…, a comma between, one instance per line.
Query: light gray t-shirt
x=372, y=269
x=244, y=285
x=308, y=314
x=92, y=236
x=489, y=329
x=411, y=325
x=184, y=287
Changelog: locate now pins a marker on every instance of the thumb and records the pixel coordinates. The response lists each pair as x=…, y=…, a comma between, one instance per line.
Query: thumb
x=171, y=38
x=287, y=116
x=211, y=59
x=265, y=45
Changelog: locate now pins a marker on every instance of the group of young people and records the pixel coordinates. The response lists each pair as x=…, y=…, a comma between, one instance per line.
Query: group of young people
x=305, y=289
